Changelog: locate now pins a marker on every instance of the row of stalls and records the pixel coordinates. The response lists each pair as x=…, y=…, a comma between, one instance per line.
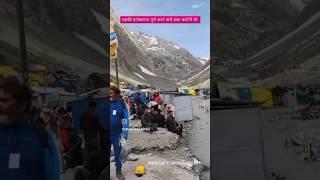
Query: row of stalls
x=259, y=95
x=55, y=97
x=187, y=90
x=51, y=97
x=292, y=97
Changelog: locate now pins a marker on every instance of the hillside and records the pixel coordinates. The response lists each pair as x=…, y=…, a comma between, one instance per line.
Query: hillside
x=169, y=59
x=290, y=59
x=152, y=60
x=243, y=27
x=292, y=52
x=134, y=63
x=53, y=32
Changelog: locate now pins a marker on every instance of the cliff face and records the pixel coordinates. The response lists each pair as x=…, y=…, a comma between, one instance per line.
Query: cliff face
x=62, y=34
x=243, y=27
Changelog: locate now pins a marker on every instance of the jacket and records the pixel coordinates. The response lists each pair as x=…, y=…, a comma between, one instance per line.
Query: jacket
x=33, y=160
x=119, y=118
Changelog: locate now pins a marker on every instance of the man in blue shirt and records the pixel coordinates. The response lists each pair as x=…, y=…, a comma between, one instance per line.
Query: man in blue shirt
x=119, y=124
x=27, y=150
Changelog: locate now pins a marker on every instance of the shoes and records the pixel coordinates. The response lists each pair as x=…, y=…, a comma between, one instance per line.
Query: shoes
x=120, y=175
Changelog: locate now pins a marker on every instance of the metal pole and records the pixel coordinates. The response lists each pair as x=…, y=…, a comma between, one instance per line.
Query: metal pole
x=23, y=53
x=116, y=61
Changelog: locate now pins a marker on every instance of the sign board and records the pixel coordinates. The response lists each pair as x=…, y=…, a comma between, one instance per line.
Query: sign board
x=237, y=144
x=183, y=108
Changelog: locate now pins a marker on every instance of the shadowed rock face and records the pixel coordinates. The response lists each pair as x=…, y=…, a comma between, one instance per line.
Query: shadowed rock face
x=49, y=33
x=243, y=27
x=273, y=49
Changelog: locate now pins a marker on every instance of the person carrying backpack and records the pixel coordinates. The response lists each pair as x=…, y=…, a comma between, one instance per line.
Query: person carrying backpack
x=119, y=122
x=27, y=150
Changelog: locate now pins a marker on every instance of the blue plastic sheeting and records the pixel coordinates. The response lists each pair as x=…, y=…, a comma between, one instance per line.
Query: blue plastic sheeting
x=81, y=106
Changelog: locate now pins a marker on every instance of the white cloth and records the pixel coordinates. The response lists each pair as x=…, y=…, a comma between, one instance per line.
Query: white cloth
x=152, y=103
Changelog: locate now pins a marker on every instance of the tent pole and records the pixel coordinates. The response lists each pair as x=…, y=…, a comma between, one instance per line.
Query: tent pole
x=117, y=77
x=22, y=38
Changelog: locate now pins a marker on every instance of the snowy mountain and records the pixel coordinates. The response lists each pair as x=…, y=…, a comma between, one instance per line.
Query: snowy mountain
x=169, y=59
x=203, y=60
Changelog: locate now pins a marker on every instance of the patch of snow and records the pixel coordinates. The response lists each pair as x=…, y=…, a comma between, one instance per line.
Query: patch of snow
x=205, y=58
x=139, y=76
x=156, y=49
x=146, y=71
x=91, y=43
x=175, y=46
x=152, y=40
x=203, y=62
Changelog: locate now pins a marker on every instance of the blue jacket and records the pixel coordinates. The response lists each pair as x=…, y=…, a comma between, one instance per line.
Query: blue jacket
x=119, y=118
x=143, y=97
x=36, y=161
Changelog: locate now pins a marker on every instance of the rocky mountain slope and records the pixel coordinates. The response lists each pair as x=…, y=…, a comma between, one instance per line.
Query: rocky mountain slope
x=243, y=27
x=288, y=59
x=57, y=34
x=169, y=59
x=152, y=59
x=134, y=62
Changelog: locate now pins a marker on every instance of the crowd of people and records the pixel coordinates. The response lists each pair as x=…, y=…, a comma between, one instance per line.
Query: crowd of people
x=152, y=112
x=42, y=142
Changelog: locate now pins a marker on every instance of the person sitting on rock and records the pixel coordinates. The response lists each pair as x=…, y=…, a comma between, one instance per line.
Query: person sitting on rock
x=147, y=120
x=158, y=118
x=172, y=126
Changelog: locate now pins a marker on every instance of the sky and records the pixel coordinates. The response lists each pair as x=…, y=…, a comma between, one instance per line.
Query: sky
x=193, y=37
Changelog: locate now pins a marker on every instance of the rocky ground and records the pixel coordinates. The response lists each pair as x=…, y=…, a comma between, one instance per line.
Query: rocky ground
x=284, y=134
x=164, y=155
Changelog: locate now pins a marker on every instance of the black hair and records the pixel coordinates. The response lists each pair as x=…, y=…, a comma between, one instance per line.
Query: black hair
x=20, y=92
x=115, y=90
